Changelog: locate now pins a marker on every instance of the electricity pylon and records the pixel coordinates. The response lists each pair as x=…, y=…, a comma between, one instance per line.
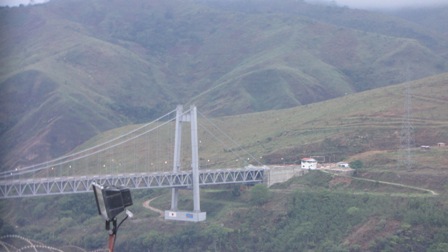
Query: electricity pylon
x=407, y=140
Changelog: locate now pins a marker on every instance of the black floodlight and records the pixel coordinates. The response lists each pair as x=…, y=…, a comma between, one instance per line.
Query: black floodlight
x=111, y=200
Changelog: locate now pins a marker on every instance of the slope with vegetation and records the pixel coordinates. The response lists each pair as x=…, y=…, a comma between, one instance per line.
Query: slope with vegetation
x=316, y=212
x=318, y=79
x=384, y=207
x=94, y=66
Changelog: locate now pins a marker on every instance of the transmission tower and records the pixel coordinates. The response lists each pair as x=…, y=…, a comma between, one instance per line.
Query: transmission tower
x=407, y=141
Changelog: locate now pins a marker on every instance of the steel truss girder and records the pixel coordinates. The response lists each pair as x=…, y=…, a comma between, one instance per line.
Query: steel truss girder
x=82, y=184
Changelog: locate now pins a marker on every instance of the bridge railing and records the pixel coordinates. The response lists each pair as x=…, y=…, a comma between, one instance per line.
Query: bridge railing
x=82, y=184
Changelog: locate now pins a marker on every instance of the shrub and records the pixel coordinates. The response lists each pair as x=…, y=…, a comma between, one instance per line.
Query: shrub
x=259, y=194
x=357, y=164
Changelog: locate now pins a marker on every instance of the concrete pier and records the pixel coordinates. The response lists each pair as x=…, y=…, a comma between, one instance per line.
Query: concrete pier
x=282, y=173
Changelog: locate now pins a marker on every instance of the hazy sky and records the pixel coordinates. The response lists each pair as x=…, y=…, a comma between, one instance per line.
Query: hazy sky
x=362, y=4
x=19, y=2
x=385, y=4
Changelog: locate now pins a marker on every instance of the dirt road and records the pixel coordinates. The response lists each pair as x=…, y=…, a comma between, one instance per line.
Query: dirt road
x=147, y=205
x=388, y=183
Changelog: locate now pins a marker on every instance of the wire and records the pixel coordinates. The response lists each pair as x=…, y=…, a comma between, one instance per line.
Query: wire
x=38, y=167
x=119, y=224
x=116, y=229
x=35, y=168
x=228, y=137
x=206, y=92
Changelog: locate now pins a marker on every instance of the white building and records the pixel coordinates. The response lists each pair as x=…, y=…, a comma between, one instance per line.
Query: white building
x=308, y=163
x=343, y=165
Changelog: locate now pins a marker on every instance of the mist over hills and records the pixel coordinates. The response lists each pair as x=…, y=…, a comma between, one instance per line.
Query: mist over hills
x=72, y=69
x=436, y=18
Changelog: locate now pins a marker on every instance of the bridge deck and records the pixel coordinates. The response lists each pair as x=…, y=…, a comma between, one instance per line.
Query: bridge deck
x=81, y=184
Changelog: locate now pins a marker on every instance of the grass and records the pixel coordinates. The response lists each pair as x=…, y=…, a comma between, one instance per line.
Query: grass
x=220, y=59
x=94, y=71
x=370, y=120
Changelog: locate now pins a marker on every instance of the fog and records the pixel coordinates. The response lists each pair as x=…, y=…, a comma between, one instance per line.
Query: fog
x=19, y=2
x=384, y=4
x=360, y=4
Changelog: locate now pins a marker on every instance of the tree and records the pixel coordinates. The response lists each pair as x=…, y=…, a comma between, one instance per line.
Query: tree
x=439, y=247
x=357, y=164
x=260, y=194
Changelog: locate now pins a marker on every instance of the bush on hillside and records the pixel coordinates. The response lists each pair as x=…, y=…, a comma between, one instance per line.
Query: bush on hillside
x=357, y=164
x=260, y=194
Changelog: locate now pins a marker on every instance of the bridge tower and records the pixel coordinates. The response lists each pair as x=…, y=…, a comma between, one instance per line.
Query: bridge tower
x=174, y=213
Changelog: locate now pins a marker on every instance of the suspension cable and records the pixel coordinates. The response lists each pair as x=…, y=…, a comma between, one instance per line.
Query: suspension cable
x=44, y=165
x=228, y=137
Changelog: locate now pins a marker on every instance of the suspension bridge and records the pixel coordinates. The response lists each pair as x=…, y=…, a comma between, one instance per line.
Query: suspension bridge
x=148, y=156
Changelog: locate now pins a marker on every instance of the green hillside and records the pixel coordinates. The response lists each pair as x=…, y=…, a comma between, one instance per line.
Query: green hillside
x=365, y=125
x=93, y=66
x=384, y=207
x=316, y=212
x=283, y=79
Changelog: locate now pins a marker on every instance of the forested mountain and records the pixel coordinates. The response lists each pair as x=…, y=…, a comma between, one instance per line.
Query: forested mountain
x=71, y=69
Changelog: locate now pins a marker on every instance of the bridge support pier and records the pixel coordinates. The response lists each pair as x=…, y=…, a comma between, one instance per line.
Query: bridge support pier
x=174, y=214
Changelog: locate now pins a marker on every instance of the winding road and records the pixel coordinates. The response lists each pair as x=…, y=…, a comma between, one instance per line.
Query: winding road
x=147, y=205
x=387, y=183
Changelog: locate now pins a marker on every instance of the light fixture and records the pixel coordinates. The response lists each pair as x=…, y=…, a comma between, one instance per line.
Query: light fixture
x=111, y=201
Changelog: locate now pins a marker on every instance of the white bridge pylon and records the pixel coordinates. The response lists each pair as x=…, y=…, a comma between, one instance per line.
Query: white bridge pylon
x=174, y=213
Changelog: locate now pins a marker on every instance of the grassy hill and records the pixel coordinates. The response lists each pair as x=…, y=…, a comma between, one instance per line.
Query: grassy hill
x=365, y=125
x=93, y=66
x=318, y=212
x=284, y=80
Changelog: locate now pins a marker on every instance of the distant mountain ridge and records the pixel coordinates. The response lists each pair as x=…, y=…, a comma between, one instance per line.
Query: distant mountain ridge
x=72, y=69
